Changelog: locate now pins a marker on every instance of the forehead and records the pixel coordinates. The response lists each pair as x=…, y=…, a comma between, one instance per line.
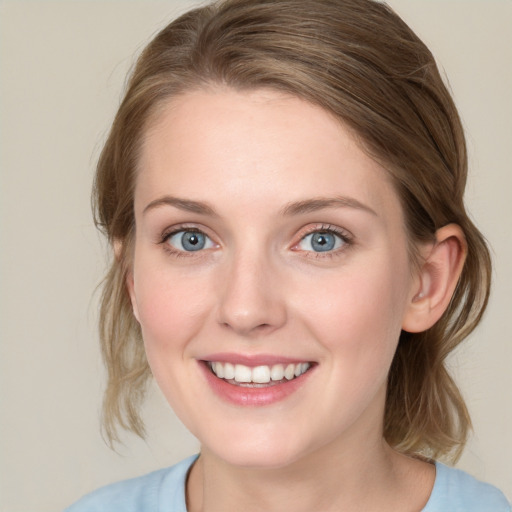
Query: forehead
x=219, y=144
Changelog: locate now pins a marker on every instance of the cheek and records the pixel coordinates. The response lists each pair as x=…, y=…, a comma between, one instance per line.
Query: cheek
x=172, y=309
x=359, y=311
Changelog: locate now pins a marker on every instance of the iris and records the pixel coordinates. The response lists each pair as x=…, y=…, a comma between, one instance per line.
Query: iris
x=193, y=241
x=322, y=242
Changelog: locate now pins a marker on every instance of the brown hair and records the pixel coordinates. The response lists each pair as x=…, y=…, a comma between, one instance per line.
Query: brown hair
x=359, y=61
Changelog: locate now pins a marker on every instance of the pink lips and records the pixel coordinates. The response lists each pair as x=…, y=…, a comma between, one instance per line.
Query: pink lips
x=252, y=396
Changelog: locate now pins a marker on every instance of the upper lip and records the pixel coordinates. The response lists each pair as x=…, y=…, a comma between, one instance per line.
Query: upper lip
x=253, y=360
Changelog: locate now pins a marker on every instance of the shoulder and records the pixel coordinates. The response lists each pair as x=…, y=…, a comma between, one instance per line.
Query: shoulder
x=457, y=491
x=160, y=490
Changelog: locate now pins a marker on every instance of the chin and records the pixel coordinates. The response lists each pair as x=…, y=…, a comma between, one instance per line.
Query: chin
x=258, y=452
x=258, y=459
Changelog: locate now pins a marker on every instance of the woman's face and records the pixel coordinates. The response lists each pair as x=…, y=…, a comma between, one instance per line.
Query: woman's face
x=267, y=245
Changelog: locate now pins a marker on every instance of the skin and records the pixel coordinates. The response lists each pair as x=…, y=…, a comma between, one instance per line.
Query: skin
x=258, y=287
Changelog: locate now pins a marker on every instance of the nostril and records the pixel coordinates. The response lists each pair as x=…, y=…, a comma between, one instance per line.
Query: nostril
x=247, y=328
x=263, y=327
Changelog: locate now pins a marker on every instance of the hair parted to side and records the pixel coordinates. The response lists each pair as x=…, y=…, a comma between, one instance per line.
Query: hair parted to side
x=359, y=61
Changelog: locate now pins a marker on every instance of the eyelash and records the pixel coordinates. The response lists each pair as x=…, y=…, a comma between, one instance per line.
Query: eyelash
x=166, y=235
x=345, y=237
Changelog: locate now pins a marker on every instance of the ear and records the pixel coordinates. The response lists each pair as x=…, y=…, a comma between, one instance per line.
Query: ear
x=129, y=281
x=130, y=286
x=117, y=245
x=437, y=278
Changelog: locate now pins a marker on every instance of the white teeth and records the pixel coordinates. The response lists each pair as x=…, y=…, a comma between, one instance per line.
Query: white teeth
x=289, y=373
x=229, y=371
x=219, y=370
x=262, y=374
x=277, y=372
x=242, y=373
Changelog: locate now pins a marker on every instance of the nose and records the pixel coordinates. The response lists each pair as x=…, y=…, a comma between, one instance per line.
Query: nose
x=252, y=302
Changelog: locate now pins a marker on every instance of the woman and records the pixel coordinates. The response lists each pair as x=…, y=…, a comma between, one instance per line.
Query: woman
x=283, y=189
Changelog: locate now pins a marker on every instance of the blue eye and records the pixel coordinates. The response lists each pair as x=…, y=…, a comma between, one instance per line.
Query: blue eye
x=189, y=241
x=321, y=241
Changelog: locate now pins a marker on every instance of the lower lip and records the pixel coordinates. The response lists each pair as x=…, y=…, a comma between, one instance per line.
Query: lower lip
x=248, y=396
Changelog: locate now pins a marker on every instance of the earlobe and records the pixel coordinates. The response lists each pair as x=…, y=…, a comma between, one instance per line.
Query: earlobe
x=118, y=249
x=437, y=279
x=130, y=286
x=128, y=281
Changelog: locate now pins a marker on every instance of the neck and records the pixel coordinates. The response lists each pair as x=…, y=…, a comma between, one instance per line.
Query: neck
x=332, y=478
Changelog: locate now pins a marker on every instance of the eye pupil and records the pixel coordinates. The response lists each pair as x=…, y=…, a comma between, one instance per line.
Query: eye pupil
x=322, y=242
x=192, y=241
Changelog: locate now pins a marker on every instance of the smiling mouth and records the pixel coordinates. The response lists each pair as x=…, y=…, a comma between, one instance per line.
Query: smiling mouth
x=257, y=376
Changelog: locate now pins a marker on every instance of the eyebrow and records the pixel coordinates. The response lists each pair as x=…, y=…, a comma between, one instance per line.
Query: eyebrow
x=296, y=208
x=320, y=203
x=182, y=204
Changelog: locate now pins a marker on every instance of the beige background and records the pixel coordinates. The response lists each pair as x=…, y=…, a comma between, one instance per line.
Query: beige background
x=62, y=66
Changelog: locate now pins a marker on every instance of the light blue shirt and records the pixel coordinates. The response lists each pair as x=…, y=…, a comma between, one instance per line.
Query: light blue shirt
x=164, y=491
x=456, y=491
